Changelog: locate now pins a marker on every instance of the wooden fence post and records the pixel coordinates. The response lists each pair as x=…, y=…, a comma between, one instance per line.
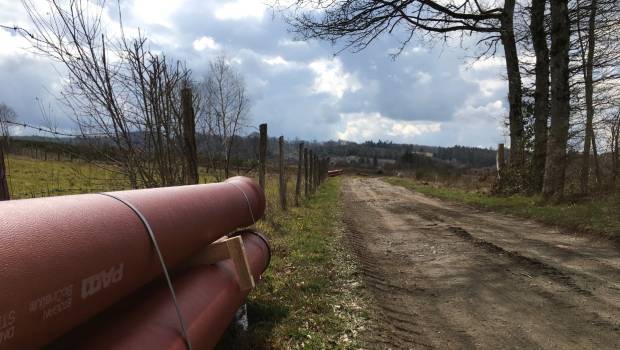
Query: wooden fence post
x=299, y=170
x=282, y=173
x=311, y=171
x=262, y=155
x=4, y=186
x=321, y=166
x=316, y=171
x=189, y=135
x=306, y=185
x=325, y=169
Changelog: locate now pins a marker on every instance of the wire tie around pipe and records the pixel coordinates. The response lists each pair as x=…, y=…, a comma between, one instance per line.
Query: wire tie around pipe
x=145, y=222
x=247, y=200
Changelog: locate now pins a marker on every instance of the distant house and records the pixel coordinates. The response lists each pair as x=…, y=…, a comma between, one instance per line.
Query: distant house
x=385, y=161
x=357, y=160
x=425, y=154
x=352, y=159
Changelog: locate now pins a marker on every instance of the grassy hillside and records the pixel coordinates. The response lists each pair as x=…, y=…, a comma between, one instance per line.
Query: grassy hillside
x=596, y=215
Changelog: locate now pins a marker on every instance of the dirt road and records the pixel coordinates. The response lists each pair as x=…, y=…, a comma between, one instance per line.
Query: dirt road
x=446, y=276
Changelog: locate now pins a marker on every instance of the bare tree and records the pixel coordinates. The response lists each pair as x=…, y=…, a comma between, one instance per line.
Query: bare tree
x=360, y=22
x=224, y=112
x=596, y=57
x=614, y=125
x=7, y=116
x=117, y=89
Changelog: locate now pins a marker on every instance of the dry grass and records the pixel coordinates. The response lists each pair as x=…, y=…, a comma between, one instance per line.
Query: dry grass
x=595, y=215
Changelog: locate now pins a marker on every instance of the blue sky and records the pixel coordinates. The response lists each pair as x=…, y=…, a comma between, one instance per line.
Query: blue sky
x=428, y=95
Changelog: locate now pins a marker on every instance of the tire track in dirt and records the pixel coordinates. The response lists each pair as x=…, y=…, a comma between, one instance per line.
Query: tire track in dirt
x=531, y=264
x=450, y=277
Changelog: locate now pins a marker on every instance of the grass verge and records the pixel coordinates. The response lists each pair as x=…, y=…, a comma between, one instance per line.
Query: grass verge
x=311, y=296
x=599, y=215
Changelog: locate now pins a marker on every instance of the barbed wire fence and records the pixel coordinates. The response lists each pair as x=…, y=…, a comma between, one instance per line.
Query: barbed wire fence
x=59, y=178
x=64, y=177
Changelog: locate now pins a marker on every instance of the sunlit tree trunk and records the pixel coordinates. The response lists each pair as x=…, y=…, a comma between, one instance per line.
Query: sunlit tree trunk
x=555, y=166
x=515, y=95
x=589, y=91
x=541, y=92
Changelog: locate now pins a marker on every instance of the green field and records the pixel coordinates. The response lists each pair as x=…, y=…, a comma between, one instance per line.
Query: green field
x=37, y=178
x=597, y=215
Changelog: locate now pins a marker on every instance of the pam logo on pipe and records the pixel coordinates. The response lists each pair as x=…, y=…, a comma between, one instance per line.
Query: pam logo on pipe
x=101, y=280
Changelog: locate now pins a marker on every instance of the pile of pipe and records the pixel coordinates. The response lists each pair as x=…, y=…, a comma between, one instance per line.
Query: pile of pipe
x=83, y=271
x=336, y=172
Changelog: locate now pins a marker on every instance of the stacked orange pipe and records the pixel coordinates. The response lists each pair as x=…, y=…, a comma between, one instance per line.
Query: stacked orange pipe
x=65, y=259
x=336, y=172
x=208, y=297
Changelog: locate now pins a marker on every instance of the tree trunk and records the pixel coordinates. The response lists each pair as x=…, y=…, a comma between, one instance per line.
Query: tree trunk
x=615, y=154
x=541, y=93
x=585, y=163
x=555, y=167
x=515, y=98
x=501, y=165
x=597, y=168
x=589, y=90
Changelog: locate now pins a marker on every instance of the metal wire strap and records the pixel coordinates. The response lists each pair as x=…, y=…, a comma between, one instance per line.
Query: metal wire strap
x=145, y=222
x=247, y=200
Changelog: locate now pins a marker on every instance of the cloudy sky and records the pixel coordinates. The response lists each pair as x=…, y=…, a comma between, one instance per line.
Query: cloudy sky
x=432, y=96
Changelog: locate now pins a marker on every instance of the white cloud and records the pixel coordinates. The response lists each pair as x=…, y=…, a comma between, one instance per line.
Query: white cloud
x=478, y=124
x=494, y=110
x=415, y=50
x=423, y=77
x=360, y=127
x=12, y=45
x=205, y=42
x=332, y=79
x=488, y=87
x=155, y=11
x=487, y=74
x=487, y=63
x=292, y=43
x=275, y=61
x=241, y=9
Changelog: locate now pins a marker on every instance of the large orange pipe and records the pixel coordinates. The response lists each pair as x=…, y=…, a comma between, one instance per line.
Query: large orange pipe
x=65, y=259
x=335, y=172
x=208, y=297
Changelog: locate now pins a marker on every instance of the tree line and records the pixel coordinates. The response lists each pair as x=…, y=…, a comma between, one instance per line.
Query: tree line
x=561, y=59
